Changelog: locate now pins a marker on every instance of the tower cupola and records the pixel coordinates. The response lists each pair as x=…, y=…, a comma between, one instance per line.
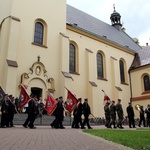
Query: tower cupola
x=115, y=19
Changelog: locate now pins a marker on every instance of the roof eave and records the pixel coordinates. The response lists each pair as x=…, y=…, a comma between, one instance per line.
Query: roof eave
x=140, y=67
x=102, y=39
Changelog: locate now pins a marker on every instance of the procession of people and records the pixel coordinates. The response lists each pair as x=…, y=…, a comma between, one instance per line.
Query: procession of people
x=114, y=114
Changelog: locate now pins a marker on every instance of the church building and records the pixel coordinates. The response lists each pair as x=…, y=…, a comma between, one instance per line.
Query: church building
x=50, y=46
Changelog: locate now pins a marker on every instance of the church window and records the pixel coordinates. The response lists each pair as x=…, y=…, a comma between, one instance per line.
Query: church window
x=146, y=81
x=100, y=71
x=122, y=71
x=38, y=33
x=72, y=58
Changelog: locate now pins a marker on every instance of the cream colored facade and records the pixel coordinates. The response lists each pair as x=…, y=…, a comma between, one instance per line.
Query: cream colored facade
x=139, y=96
x=19, y=62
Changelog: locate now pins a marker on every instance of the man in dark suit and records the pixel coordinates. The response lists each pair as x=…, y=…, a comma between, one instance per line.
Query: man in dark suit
x=86, y=112
x=147, y=111
x=130, y=113
x=32, y=112
x=74, y=122
x=11, y=111
x=78, y=114
x=59, y=114
x=4, y=110
x=142, y=116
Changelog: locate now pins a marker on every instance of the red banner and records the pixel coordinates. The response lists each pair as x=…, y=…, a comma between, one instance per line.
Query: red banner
x=51, y=104
x=25, y=96
x=106, y=100
x=71, y=102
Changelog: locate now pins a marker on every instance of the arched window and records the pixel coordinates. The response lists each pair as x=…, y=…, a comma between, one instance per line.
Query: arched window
x=72, y=58
x=122, y=71
x=100, y=71
x=38, y=33
x=146, y=81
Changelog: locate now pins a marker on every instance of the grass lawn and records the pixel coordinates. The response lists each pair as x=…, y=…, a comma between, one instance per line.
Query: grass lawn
x=137, y=139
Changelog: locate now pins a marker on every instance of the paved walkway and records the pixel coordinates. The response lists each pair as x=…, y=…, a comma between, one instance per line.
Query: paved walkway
x=45, y=138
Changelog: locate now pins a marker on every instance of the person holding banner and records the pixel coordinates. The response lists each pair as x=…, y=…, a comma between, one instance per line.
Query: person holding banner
x=74, y=122
x=107, y=115
x=32, y=111
x=78, y=114
x=54, y=114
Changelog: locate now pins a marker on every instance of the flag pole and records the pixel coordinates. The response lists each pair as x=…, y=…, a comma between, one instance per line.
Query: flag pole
x=44, y=117
x=66, y=88
x=103, y=91
x=93, y=116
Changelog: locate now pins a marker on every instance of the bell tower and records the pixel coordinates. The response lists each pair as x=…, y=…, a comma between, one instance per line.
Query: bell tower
x=115, y=19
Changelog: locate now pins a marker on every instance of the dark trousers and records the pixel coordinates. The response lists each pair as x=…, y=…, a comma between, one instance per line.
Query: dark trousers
x=30, y=120
x=148, y=121
x=107, y=117
x=131, y=122
x=113, y=120
x=78, y=121
x=10, y=118
x=142, y=119
x=53, y=123
x=86, y=121
x=4, y=120
x=120, y=119
x=74, y=121
x=58, y=121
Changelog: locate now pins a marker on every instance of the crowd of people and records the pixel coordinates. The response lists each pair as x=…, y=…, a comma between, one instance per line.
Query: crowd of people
x=114, y=115
x=10, y=106
x=8, y=109
x=35, y=107
x=77, y=113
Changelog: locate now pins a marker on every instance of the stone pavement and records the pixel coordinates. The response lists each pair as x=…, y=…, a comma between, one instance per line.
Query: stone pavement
x=46, y=138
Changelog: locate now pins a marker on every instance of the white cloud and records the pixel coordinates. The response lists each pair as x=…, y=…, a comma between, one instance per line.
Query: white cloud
x=144, y=38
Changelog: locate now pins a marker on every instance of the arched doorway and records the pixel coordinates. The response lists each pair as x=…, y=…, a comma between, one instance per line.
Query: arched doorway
x=36, y=91
x=38, y=87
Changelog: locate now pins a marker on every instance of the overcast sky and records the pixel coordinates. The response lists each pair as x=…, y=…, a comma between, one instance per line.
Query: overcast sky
x=135, y=14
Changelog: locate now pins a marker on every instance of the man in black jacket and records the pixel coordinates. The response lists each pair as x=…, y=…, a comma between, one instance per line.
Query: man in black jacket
x=4, y=110
x=59, y=114
x=142, y=116
x=32, y=112
x=130, y=113
x=11, y=111
x=86, y=112
x=78, y=114
x=147, y=111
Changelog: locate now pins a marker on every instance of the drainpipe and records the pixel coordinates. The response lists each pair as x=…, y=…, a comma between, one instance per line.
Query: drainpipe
x=130, y=86
x=4, y=20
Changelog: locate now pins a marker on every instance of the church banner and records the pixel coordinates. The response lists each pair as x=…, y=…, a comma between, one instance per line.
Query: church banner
x=71, y=102
x=25, y=96
x=51, y=104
